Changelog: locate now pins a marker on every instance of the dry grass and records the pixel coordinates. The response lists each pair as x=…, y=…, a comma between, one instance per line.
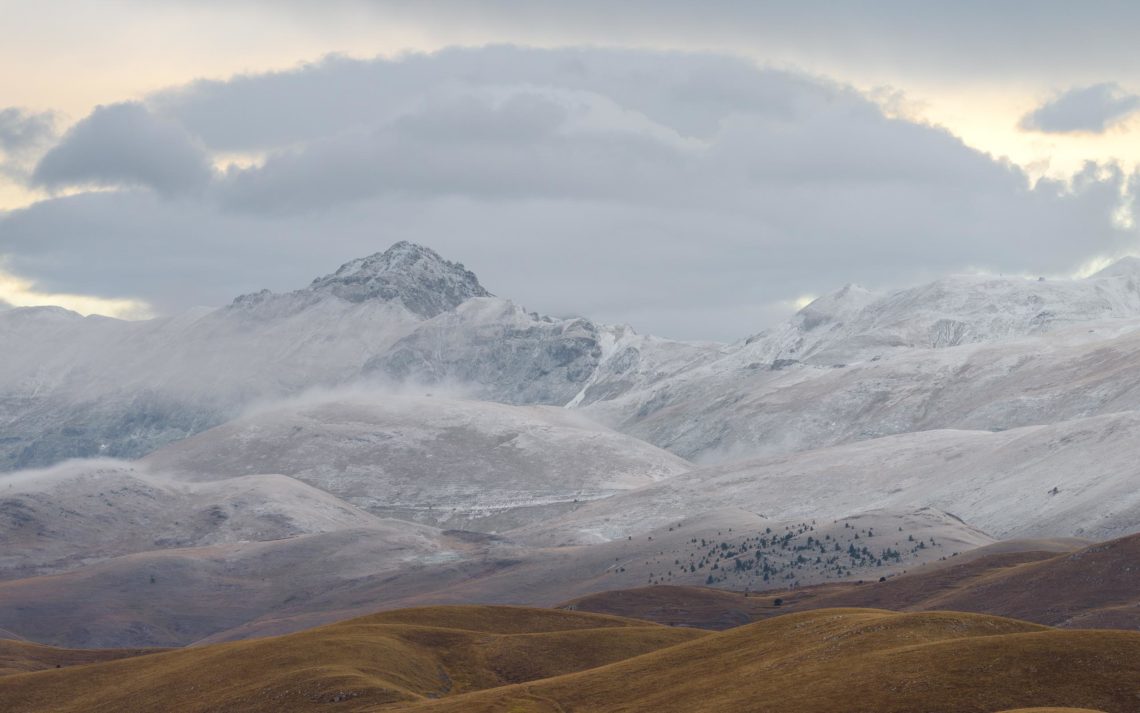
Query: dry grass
x=700, y=607
x=518, y=660
x=1052, y=710
x=24, y=657
x=401, y=656
x=833, y=661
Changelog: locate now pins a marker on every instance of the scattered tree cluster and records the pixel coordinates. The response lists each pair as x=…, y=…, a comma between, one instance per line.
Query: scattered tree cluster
x=785, y=557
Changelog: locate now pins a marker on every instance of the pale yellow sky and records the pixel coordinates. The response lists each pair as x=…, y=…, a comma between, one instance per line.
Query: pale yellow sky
x=20, y=292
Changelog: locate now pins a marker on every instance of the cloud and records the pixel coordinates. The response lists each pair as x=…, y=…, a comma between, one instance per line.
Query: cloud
x=22, y=134
x=690, y=93
x=1093, y=109
x=691, y=195
x=125, y=145
x=21, y=130
x=500, y=145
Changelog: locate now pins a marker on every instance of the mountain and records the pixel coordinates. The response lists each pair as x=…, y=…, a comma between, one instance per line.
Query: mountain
x=735, y=408
x=412, y=275
x=495, y=350
x=967, y=352
x=854, y=324
x=72, y=386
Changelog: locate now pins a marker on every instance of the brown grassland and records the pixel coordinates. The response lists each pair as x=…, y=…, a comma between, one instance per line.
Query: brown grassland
x=24, y=657
x=519, y=660
x=398, y=656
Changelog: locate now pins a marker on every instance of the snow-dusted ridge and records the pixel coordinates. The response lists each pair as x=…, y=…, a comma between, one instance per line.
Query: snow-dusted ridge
x=442, y=461
x=1075, y=478
x=854, y=324
x=968, y=352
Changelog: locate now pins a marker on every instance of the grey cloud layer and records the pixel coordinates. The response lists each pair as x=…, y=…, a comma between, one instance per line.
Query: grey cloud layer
x=686, y=194
x=979, y=39
x=125, y=145
x=1083, y=109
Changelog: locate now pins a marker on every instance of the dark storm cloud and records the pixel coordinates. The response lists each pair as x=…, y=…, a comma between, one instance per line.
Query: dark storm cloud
x=125, y=145
x=1090, y=109
x=687, y=194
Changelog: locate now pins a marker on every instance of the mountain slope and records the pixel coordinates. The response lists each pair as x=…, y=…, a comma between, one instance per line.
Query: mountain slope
x=442, y=461
x=854, y=366
x=1090, y=586
x=175, y=597
x=1096, y=586
x=1075, y=478
x=81, y=512
x=853, y=324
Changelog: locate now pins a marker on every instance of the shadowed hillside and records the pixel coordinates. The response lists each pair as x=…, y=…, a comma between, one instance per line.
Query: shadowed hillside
x=1097, y=586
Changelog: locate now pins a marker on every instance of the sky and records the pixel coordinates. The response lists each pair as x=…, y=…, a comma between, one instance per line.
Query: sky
x=696, y=170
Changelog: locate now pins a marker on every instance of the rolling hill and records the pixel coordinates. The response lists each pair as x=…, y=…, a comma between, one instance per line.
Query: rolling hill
x=385, y=659
x=477, y=659
x=834, y=661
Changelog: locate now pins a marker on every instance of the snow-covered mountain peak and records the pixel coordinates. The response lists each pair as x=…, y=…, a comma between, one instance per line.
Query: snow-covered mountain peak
x=406, y=275
x=1128, y=266
x=812, y=324
x=411, y=274
x=840, y=305
x=42, y=313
